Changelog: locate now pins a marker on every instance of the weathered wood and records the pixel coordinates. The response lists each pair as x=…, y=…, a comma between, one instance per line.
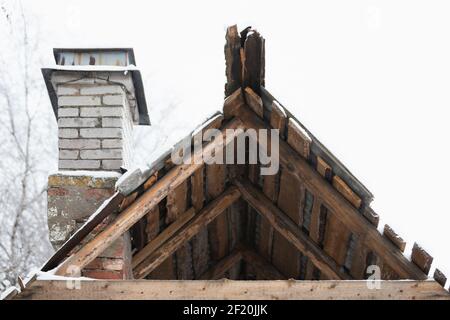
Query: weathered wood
x=336, y=238
x=233, y=60
x=389, y=233
x=264, y=269
x=371, y=216
x=152, y=227
x=290, y=196
x=315, y=228
x=217, y=229
x=200, y=249
x=345, y=190
x=222, y=266
x=421, y=258
x=286, y=256
x=278, y=118
x=128, y=200
x=332, y=199
x=298, y=139
x=284, y=225
x=233, y=290
x=254, y=102
x=271, y=190
x=232, y=103
x=147, y=201
x=165, y=235
x=439, y=277
x=202, y=219
x=324, y=169
x=254, y=62
x=176, y=205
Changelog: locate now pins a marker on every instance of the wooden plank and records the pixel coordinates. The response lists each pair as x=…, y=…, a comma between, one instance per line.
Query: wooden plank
x=264, y=269
x=254, y=102
x=254, y=66
x=218, y=229
x=290, y=196
x=286, y=256
x=315, y=228
x=202, y=219
x=439, y=277
x=298, y=139
x=281, y=223
x=389, y=233
x=176, y=205
x=147, y=201
x=371, y=216
x=359, y=265
x=278, y=118
x=232, y=103
x=222, y=266
x=152, y=227
x=200, y=246
x=233, y=290
x=165, y=235
x=346, y=192
x=421, y=258
x=333, y=199
x=233, y=60
x=324, y=169
x=336, y=238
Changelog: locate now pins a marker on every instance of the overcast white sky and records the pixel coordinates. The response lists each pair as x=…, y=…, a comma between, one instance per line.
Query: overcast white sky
x=371, y=79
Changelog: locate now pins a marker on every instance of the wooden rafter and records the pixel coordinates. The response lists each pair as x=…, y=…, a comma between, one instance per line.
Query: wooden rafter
x=221, y=267
x=202, y=219
x=163, y=237
x=287, y=228
x=144, y=204
x=264, y=268
x=235, y=290
x=344, y=210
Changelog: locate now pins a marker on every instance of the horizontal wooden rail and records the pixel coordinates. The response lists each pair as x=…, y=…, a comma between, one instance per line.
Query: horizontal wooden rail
x=234, y=290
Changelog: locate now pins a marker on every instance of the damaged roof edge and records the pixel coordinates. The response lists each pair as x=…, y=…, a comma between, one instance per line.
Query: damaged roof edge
x=318, y=149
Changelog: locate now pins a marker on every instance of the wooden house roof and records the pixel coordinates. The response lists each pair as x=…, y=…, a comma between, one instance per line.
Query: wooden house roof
x=198, y=221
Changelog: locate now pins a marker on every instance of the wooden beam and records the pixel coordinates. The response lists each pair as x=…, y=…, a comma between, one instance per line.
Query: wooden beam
x=146, y=202
x=334, y=200
x=234, y=290
x=202, y=219
x=166, y=234
x=221, y=267
x=264, y=269
x=287, y=228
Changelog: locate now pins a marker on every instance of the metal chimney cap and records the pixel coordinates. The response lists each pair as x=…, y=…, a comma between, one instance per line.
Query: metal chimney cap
x=94, y=56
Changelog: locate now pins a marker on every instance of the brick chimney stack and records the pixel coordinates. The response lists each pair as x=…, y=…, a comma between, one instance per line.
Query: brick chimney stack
x=97, y=96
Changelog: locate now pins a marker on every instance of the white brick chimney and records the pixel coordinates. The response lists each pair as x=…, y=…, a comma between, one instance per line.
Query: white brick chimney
x=97, y=96
x=96, y=105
